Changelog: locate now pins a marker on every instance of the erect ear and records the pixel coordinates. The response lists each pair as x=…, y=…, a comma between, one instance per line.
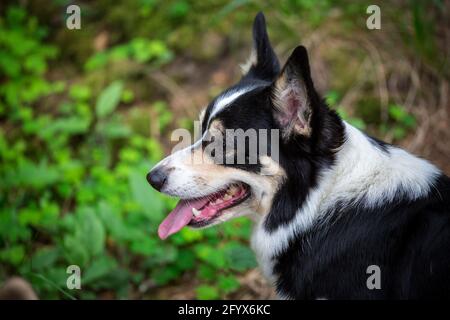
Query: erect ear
x=294, y=96
x=263, y=63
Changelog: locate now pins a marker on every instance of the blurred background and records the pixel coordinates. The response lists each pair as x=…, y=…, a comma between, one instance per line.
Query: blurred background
x=84, y=114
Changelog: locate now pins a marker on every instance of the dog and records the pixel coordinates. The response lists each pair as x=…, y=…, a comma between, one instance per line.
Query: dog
x=340, y=215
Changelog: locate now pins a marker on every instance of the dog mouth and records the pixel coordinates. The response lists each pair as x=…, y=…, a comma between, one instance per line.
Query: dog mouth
x=200, y=212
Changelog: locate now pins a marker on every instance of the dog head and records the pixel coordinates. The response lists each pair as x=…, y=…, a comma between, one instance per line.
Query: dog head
x=254, y=135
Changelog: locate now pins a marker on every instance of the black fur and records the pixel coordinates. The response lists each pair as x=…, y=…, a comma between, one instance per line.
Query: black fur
x=408, y=240
x=302, y=157
x=267, y=67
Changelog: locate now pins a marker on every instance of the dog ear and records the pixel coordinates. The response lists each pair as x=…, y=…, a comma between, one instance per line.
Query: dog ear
x=263, y=62
x=294, y=96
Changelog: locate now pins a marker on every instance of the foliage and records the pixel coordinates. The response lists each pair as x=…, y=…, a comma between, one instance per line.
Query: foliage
x=82, y=122
x=73, y=181
x=397, y=125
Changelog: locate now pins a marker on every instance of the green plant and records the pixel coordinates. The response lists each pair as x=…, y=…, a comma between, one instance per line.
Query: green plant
x=140, y=50
x=400, y=122
x=332, y=99
x=73, y=181
x=83, y=119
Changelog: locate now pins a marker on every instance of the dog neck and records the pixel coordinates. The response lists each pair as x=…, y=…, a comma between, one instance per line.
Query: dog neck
x=365, y=171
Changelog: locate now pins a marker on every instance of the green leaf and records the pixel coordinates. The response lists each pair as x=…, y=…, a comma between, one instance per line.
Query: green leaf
x=42, y=173
x=207, y=272
x=163, y=255
x=116, y=279
x=206, y=292
x=11, y=230
x=191, y=235
x=91, y=231
x=54, y=279
x=239, y=257
x=113, y=129
x=97, y=61
x=112, y=221
x=145, y=246
x=214, y=257
x=9, y=64
x=228, y=284
x=13, y=255
x=99, y=268
x=74, y=250
x=30, y=216
x=109, y=99
x=146, y=197
x=179, y=9
x=44, y=258
x=409, y=121
x=332, y=98
x=342, y=113
x=358, y=123
x=80, y=92
x=164, y=115
x=87, y=239
x=165, y=275
x=185, y=260
x=240, y=227
x=399, y=133
x=397, y=112
x=127, y=96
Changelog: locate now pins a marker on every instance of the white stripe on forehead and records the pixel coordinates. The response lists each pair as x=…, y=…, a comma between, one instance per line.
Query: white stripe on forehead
x=226, y=99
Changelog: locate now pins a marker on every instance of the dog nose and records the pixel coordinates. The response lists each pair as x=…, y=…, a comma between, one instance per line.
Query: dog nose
x=157, y=178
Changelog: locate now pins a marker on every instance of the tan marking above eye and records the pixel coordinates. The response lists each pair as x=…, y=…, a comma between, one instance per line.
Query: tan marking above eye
x=217, y=125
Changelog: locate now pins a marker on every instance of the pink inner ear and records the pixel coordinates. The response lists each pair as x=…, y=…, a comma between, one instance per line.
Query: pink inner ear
x=293, y=105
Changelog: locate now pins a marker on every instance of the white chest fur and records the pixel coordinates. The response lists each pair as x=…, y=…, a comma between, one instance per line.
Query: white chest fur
x=362, y=172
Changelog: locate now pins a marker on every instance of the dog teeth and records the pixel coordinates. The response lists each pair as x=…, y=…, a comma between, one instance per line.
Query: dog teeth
x=195, y=212
x=232, y=190
x=227, y=197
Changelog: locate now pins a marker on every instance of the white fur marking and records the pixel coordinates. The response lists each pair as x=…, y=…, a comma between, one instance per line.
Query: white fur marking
x=362, y=172
x=226, y=99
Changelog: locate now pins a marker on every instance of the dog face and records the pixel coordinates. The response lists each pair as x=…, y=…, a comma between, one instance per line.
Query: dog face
x=250, y=135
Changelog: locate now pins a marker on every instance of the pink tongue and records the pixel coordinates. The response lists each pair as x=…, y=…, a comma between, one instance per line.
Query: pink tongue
x=179, y=217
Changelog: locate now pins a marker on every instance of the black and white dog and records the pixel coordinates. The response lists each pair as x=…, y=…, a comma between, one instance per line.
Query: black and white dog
x=336, y=202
